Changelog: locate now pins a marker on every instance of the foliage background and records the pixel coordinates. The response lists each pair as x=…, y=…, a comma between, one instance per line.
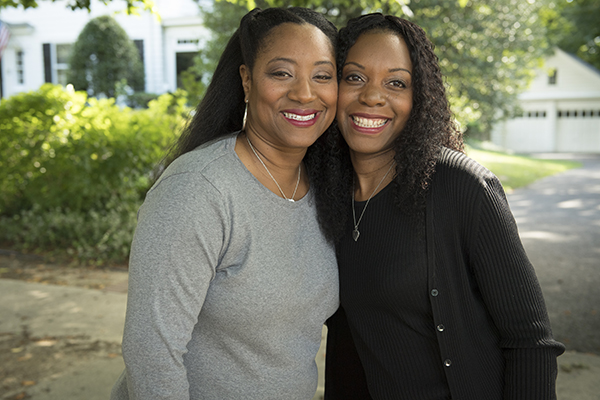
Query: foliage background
x=74, y=169
x=489, y=50
x=103, y=56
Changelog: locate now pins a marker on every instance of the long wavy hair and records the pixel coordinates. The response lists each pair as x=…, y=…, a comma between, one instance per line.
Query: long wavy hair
x=221, y=111
x=430, y=127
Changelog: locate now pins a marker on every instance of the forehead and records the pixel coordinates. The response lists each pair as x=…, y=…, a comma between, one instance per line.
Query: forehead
x=300, y=39
x=380, y=47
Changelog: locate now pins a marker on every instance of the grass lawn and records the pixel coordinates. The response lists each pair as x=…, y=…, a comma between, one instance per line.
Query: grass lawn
x=517, y=171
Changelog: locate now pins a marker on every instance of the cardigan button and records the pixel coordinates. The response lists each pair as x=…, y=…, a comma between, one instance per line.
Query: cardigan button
x=448, y=363
x=441, y=328
x=434, y=292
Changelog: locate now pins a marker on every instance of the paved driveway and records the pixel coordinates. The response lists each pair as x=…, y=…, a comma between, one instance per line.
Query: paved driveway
x=559, y=223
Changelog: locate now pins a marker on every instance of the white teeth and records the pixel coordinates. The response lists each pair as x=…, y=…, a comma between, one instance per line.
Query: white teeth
x=299, y=117
x=368, y=122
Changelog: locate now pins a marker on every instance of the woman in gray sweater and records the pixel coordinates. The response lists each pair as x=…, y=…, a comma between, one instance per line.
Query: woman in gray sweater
x=231, y=278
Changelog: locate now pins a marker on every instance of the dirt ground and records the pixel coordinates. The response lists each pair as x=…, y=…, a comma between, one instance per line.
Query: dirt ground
x=25, y=359
x=31, y=268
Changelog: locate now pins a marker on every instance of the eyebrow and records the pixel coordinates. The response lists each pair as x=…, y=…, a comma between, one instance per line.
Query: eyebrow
x=390, y=70
x=289, y=60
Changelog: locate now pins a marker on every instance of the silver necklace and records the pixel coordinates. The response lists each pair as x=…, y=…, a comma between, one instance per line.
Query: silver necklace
x=355, y=232
x=272, y=177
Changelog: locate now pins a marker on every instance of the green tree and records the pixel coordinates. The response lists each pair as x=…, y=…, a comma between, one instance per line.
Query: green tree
x=103, y=56
x=222, y=19
x=132, y=6
x=574, y=26
x=488, y=49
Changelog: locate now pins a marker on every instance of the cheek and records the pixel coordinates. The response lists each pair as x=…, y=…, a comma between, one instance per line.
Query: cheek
x=344, y=99
x=330, y=96
x=402, y=105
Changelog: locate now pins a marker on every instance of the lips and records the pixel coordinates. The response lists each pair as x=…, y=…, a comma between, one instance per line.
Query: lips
x=369, y=124
x=300, y=117
x=297, y=117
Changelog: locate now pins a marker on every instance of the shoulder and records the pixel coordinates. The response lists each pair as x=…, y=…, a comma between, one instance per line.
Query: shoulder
x=460, y=179
x=456, y=164
x=195, y=178
x=210, y=163
x=458, y=170
x=202, y=158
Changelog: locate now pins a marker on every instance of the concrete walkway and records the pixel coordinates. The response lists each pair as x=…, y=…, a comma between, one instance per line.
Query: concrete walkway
x=94, y=316
x=67, y=316
x=559, y=223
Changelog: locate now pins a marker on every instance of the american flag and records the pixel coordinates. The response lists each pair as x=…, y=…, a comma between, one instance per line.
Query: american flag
x=4, y=37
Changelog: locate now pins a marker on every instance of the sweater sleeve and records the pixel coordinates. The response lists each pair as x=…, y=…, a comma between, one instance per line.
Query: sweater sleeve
x=175, y=251
x=513, y=297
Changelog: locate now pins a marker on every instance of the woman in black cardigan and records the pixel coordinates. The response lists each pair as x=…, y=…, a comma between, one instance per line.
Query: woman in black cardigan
x=439, y=299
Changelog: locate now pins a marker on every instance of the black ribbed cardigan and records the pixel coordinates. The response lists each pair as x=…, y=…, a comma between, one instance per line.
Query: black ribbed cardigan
x=494, y=337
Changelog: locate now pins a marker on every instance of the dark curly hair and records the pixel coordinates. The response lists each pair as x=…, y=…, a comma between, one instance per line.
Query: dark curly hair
x=430, y=127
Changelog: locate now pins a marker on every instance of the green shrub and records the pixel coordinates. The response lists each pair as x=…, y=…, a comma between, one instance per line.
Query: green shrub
x=140, y=99
x=92, y=237
x=75, y=169
x=102, y=56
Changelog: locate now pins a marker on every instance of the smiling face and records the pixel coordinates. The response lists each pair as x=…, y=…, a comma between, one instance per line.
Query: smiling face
x=292, y=90
x=375, y=93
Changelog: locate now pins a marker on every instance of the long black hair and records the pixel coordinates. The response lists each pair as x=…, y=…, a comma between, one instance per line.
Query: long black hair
x=430, y=126
x=221, y=111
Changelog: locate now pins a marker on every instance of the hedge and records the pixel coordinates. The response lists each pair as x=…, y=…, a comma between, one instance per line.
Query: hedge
x=74, y=169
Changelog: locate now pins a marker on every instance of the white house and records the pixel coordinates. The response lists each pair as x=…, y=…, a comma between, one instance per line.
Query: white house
x=561, y=110
x=41, y=40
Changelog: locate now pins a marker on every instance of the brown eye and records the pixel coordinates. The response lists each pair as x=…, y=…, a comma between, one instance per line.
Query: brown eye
x=398, y=84
x=352, y=78
x=323, y=77
x=280, y=74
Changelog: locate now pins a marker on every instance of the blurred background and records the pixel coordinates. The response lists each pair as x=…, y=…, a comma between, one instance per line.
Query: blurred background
x=93, y=93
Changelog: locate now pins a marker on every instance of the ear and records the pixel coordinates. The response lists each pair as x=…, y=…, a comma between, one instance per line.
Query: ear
x=246, y=79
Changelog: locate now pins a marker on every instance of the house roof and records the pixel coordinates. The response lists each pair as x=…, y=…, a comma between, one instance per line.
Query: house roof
x=575, y=80
x=584, y=63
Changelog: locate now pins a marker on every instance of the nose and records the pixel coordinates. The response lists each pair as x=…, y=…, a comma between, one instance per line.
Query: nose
x=371, y=96
x=302, y=91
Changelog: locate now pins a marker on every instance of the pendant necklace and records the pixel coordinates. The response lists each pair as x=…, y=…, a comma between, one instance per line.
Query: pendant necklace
x=272, y=177
x=355, y=232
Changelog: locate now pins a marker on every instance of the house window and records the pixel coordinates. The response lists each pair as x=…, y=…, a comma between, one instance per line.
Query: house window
x=63, y=53
x=139, y=45
x=537, y=114
x=56, y=62
x=183, y=61
x=20, y=67
x=552, y=76
x=188, y=41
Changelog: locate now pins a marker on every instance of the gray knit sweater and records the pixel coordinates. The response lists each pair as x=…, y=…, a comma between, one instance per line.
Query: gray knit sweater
x=229, y=286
